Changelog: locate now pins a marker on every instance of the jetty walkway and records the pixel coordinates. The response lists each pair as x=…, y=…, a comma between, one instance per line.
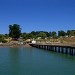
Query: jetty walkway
x=60, y=48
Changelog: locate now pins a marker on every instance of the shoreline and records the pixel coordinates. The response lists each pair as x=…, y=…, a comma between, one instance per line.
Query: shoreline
x=28, y=45
x=14, y=45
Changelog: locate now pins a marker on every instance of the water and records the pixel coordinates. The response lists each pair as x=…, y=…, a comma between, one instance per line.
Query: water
x=32, y=61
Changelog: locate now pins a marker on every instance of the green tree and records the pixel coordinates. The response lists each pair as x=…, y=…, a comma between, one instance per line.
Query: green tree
x=68, y=32
x=54, y=34
x=34, y=33
x=6, y=36
x=71, y=32
x=31, y=36
x=14, y=31
x=61, y=33
x=50, y=34
x=24, y=35
x=42, y=35
x=2, y=39
x=47, y=33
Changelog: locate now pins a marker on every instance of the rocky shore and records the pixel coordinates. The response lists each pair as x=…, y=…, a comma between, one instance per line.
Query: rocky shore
x=13, y=45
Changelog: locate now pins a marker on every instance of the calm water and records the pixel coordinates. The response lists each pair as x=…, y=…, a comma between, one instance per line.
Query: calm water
x=32, y=61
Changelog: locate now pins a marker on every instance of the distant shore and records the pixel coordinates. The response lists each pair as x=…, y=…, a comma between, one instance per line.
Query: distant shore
x=27, y=45
x=13, y=45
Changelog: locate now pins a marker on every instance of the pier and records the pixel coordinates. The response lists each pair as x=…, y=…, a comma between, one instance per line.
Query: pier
x=65, y=49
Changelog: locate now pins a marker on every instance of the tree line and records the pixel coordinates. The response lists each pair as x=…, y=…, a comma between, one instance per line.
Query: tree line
x=15, y=33
x=53, y=34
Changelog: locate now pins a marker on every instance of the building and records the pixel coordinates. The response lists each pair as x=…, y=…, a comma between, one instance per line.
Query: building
x=33, y=41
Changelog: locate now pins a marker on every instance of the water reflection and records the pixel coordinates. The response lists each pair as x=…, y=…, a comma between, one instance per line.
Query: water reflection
x=14, y=60
x=33, y=61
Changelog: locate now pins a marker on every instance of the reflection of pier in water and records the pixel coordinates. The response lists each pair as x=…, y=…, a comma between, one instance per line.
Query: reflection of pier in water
x=56, y=48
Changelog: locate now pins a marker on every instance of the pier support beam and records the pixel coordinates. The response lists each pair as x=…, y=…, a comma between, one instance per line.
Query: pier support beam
x=60, y=49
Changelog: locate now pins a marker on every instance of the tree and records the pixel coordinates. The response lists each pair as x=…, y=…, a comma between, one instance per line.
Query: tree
x=14, y=31
x=42, y=35
x=54, y=34
x=6, y=36
x=34, y=33
x=2, y=39
x=68, y=32
x=24, y=35
x=50, y=34
x=47, y=33
x=71, y=32
x=31, y=36
x=61, y=33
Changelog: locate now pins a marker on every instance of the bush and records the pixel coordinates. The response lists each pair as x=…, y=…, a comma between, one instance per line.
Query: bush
x=4, y=41
x=1, y=39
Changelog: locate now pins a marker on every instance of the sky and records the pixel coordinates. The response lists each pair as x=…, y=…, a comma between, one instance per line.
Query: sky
x=37, y=15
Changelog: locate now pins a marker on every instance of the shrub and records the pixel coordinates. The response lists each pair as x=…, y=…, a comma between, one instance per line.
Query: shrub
x=4, y=41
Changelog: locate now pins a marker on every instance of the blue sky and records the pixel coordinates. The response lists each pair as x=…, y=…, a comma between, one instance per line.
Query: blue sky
x=37, y=15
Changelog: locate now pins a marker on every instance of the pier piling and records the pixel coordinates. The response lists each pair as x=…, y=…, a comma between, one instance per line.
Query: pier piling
x=56, y=48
